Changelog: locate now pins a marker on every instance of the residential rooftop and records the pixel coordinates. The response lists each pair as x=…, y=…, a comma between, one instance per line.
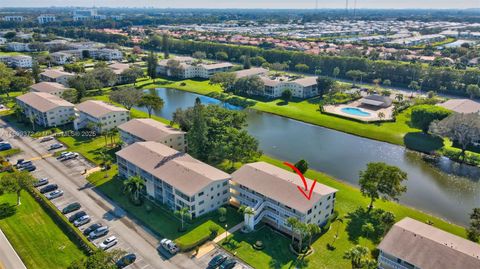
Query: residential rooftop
x=98, y=109
x=464, y=106
x=55, y=73
x=180, y=170
x=428, y=247
x=250, y=72
x=43, y=101
x=148, y=129
x=279, y=185
x=47, y=87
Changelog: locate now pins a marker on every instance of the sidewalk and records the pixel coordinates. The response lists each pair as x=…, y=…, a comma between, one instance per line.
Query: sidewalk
x=209, y=246
x=227, y=233
x=8, y=257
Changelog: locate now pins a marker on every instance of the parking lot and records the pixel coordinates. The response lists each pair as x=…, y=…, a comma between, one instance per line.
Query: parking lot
x=205, y=259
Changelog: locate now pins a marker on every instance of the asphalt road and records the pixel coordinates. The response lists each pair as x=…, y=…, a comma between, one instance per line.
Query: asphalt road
x=8, y=256
x=132, y=236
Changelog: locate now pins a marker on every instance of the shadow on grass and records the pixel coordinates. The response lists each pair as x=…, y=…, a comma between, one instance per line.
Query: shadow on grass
x=282, y=103
x=422, y=142
x=7, y=210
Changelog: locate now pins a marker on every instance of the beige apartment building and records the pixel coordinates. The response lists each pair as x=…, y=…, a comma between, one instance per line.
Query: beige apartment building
x=54, y=75
x=174, y=178
x=46, y=109
x=193, y=68
x=140, y=130
x=273, y=194
x=53, y=88
x=411, y=244
x=99, y=116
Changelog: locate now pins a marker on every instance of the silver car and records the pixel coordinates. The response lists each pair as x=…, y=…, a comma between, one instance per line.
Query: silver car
x=54, y=194
x=82, y=221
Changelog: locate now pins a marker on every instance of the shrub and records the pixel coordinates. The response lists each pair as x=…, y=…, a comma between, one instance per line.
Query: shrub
x=258, y=245
x=424, y=115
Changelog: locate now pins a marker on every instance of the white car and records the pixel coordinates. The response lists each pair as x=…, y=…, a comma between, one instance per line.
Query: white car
x=54, y=194
x=82, y=221
x=108, y=243
x=169, y=245
x=70, y=156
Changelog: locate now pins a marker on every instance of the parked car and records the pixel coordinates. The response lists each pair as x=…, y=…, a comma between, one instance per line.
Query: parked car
x=28, y=168
x=5, y=146
x=71, y=207
x=21, y=163
x=228, y=264
x=41, y=182
x=73, y=155
x=217, y=260
x=46, y=139
x=169, y=245
x=92, y=228
x=55, y=146
x=102, y=231
x=108, y=243
x=77, y=215
x=82, y=221
x=63, y=154
x=49, y=188
x=54, y=194
x=126, y=260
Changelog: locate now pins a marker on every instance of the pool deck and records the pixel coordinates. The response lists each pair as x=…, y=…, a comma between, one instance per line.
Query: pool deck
x=337, y=110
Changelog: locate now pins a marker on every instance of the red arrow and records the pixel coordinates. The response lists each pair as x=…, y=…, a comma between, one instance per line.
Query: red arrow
x=304, y=192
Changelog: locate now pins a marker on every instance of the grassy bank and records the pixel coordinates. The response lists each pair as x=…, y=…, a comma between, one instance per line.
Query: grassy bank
x=37, y=239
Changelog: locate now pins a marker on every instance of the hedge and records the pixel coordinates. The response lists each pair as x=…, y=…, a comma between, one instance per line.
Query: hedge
x=71, y=231
x=191, y=246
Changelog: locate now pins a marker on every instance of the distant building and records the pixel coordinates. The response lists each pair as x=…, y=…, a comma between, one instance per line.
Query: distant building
x=118, y=69
x=99, y=116
x=52, y=88
x=412, y=244
x=19, y=61
x=42, y=19
x=191, y=68
x=175, y=179
x=105, y=54
x=17, y=46
x=273, y=195
x=304, y=87
x=465, y=106
x=54, y=75
x=251, y=72
x=87, y=14
x=61, y=58
x=14, y=18
x=46, y=109
x=140, y=130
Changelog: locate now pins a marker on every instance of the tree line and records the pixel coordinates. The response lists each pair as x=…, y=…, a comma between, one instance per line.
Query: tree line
x=439, y=79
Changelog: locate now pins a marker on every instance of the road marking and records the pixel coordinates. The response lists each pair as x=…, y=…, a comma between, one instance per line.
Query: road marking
x=41, y=157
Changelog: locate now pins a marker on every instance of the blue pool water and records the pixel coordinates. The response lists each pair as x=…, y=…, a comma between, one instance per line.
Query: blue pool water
x=355, y=111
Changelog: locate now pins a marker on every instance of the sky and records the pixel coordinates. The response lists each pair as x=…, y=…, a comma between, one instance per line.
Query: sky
x=297, y=4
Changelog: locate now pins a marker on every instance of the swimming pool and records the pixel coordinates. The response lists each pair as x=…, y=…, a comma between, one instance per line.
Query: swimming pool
x=355, y=111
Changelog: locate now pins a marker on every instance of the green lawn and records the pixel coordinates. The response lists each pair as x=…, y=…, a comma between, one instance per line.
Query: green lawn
x=90, y=147
x=10, y=152
x=35, y=236
x=348, y=200
x=161, y=220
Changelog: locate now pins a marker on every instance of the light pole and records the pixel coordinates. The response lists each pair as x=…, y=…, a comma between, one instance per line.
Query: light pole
x=226, y=231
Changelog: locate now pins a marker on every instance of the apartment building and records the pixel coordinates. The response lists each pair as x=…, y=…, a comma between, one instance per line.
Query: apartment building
x=258, y=71
x=193, y=68
x=411, y=244
x=118, y=69
x=140, y=130
x=18, y=47
x=46, y=109
x=106, y=54
x=304, y=87
x=99, y=116
x=61, y=58
x=14, y=18
x=52, y=88
x=273, y=195
x=55, y=75
x=17, y=61
x=42, y=19
x=174, y=178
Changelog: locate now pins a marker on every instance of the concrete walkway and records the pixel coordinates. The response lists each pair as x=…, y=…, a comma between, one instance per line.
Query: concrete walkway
x=209, y=246
x=8, y=257
x=227, y=233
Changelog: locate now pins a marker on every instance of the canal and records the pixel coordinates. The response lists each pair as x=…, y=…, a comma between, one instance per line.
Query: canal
x=343, y=156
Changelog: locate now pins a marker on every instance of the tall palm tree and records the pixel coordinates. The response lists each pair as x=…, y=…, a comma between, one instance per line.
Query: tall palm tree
x=32, y=117
x=357, y=256
x=340, y=221
x=134, y=186
x=302, y=232
x=292, y=222
x=183, y=213
x=312, y=229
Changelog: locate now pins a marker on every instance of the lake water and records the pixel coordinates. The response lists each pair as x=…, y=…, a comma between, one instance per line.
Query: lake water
x=343, y=156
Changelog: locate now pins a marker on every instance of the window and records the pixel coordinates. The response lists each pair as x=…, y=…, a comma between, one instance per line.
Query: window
x=200, y=194
x=309, y=211
x=201, y=202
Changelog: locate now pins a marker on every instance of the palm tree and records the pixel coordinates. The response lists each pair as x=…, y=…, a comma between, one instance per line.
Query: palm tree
x=356, y=255
x=313, y=229
x=303, y=232
x=32, y=117
x=340, y=221
x=247, y=211
x=292, y=222
x=183, y=213
x=399, y=97
x=134, y=186
x=381, y=115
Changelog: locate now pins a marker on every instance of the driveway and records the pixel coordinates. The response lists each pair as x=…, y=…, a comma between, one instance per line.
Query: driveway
x=132, y=236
